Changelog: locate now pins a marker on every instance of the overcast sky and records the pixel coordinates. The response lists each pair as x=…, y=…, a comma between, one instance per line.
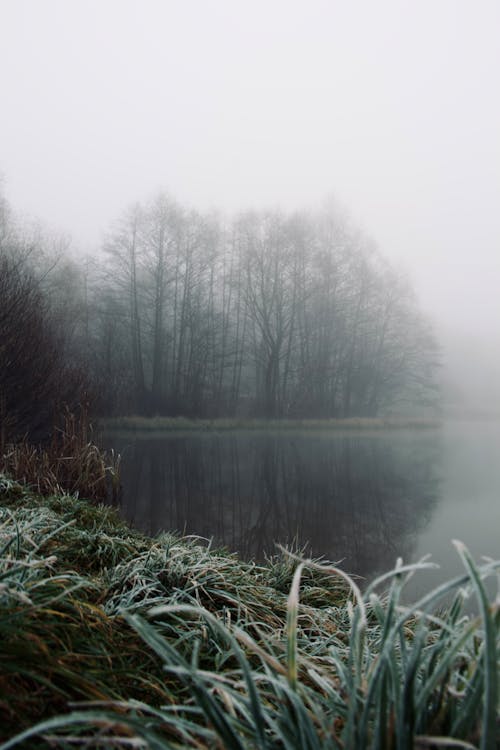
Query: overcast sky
x=391, y=106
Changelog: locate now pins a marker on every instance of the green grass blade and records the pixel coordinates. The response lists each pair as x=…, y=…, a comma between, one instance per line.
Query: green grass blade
x=490, y=709
x=291, y=627
x=92, y=719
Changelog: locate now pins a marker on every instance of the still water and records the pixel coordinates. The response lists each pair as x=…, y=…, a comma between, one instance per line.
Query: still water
x=360, y=498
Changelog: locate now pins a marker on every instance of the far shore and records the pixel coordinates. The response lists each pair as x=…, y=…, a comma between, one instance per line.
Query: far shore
x=172, y=424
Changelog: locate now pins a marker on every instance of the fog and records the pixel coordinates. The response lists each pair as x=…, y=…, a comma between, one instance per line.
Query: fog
x=390, y=107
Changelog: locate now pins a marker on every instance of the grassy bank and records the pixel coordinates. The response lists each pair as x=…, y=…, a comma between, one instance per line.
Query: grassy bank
x=109, y=639
x=166, y=424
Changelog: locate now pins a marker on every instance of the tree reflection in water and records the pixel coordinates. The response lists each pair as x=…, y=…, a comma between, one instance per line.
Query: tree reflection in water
x=362, y=499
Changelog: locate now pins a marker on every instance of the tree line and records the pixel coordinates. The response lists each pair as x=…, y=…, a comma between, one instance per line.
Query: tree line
x=266, y=314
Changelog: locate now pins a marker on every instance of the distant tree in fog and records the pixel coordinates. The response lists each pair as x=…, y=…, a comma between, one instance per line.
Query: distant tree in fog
x=36, y=380
x=272, y=314
x=270, y=293
x=39, y=315
x=123, y=279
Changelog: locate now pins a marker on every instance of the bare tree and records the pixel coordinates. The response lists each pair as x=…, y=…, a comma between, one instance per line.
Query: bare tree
x=35, y=379
x=124, y=272
x=273, y=314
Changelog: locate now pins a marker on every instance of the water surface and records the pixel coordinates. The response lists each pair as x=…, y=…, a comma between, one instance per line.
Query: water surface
x=360, y=498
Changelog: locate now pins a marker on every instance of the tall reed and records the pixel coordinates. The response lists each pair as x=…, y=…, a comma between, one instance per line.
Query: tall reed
x=70, y=463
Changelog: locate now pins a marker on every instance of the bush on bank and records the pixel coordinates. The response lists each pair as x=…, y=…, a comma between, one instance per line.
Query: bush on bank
x=111, y=639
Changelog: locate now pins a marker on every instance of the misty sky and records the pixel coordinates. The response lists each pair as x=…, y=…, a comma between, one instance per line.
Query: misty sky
x=390, y=106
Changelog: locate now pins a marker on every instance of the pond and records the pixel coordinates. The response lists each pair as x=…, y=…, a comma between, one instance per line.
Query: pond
x=362, y=499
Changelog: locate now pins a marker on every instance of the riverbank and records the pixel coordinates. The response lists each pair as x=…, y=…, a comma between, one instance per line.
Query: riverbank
x=160, y=643
x=173, y=424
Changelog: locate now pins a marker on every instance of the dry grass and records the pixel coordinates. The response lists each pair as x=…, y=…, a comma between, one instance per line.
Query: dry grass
x=72, y=463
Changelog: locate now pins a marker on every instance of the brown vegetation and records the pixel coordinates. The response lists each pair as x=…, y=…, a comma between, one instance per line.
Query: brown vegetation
x=70, y=463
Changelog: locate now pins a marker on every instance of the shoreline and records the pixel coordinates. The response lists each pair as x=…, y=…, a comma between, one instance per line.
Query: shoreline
x=175, y=424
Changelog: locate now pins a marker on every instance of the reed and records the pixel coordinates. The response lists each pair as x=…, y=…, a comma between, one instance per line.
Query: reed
x=70, y=463
x=168, y=643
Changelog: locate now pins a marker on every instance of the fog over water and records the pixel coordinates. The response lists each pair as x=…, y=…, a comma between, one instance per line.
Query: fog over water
x=390, y=107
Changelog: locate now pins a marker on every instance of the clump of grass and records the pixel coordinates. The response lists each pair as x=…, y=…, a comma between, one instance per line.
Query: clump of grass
x=71, y=463
x=56, y=642
x=170, y=644
x=68, y=570
x=318, y=588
